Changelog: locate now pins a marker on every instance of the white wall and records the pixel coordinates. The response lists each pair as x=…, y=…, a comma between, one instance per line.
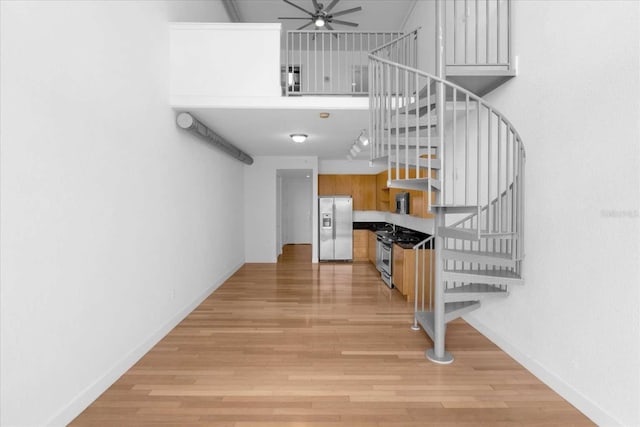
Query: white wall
x=575, y=323
x=423, y=16
x=357, y=167
x=260, y=215
x=112, y=219
x=297, y=206
x=244, y=58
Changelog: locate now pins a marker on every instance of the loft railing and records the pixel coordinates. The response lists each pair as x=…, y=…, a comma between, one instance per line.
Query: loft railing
x=478, y=32
x=330, y=62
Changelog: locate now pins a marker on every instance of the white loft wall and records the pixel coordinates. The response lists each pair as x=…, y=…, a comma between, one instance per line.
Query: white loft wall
x=225, y=60
x=260, y=195
x=422, y=16
x=575, y=323
x=356, y=167
x=297, y=212
x=112, y=227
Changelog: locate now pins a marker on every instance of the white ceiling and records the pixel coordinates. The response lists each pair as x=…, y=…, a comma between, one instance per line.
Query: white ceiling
x=376, y=15
x=265, y=131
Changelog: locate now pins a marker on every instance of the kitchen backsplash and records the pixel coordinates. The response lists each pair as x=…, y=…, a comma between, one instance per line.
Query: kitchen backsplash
x=407, y=221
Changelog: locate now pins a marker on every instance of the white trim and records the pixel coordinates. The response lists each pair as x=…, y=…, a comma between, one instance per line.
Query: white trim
x=589, y=408
x=94, y=390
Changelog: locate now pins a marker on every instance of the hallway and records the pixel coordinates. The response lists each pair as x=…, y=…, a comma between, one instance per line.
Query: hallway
x=320, y=345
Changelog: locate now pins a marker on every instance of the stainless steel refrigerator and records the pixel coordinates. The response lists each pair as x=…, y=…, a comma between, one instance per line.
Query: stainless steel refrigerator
x=335, y=228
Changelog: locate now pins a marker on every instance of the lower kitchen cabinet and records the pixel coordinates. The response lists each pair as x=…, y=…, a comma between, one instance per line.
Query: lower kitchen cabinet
x=372, y=246
x=360, y=245
x=397, y=269
x=404, y=272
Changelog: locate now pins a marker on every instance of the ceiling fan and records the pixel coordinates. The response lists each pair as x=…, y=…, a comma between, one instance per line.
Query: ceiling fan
x=322, y=16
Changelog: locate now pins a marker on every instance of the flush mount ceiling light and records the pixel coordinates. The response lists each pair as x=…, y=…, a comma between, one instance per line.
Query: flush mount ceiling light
x=298, y=138
x=324, y=115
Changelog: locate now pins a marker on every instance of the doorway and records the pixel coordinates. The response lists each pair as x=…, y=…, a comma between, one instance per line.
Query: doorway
x=295, y=209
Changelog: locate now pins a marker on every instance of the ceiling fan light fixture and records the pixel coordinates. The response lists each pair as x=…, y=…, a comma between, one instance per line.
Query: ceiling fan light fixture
x=319, y=21
x=298, y=138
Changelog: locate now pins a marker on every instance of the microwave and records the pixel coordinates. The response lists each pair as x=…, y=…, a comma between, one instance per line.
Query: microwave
x=402, y=203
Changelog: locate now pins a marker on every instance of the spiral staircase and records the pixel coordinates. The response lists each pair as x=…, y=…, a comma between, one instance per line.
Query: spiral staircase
x=440, y=138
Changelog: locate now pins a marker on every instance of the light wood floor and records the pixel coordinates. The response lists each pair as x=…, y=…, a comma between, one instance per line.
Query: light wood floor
x=296, y=344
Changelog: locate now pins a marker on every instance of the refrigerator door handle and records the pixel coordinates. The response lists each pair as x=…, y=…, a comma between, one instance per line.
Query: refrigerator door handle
x=334, y=222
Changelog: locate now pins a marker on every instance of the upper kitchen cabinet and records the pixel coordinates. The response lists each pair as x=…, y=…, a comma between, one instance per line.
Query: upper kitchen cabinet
x=344, y=185
x=364, y=192
x=326, y=185
x=382, y=192
x=361, y=187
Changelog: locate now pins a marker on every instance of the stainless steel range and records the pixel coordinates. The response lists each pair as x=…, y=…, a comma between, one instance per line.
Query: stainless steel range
x=384, y=257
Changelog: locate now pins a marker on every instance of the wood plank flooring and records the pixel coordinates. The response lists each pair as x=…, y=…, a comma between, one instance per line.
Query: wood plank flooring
x=297, y=344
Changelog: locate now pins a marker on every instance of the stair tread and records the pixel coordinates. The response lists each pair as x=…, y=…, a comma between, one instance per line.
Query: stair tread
x=415, y=183
x=502, y=274
x=453, y=209
x=408, y=129
x=450, y=307
x=467, y=233
x=424, y=163
x=482, y=288
x=500, y=255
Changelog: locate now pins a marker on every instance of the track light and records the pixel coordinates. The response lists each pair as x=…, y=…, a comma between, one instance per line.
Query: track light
x=363, y=138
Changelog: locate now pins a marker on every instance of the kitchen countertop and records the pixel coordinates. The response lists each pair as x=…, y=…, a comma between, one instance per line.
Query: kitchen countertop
x=403, y=237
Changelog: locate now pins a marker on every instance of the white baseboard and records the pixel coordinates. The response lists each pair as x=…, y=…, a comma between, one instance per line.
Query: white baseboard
x=577, y=399
x=93, y=391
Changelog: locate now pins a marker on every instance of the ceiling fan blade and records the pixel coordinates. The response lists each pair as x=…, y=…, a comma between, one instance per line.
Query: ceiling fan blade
x=316, y=5
x=331, y=5
x=298, y=7
x=290, y=17
x=351, y=24
x=329, y=27
x=344, y=12
x=304, y=26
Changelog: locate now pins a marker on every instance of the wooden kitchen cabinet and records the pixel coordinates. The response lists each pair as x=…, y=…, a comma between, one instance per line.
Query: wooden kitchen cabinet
x=362, y=188
x=360, y=245
x=364, y=192
x=404, y=272
x=382, y=192
x=326, y=185
x=344, y=185
x=372, y=246
x=397, y=269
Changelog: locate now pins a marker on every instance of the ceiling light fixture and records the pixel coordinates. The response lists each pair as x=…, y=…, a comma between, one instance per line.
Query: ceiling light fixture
x=319, y=21
x=363, y=138
x=360, y=142
x=324, y=115
x=298, y=138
